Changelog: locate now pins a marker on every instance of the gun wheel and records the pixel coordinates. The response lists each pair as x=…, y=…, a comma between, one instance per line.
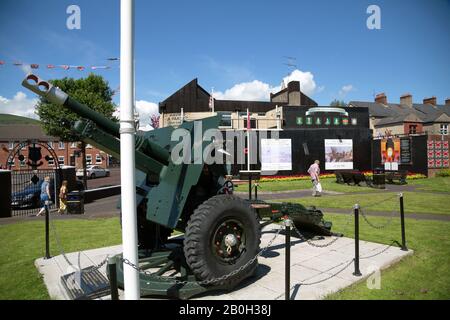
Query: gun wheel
x=222, y=235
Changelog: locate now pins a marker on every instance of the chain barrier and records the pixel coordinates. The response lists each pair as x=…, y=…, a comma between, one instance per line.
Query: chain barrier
x=382, y=226
x=378, y=201
x=347, y=264
x=310, y=242
x=62, y=252
x=378, y=253
x=208, y=281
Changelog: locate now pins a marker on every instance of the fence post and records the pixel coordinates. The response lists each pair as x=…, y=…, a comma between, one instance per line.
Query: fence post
x=288, y=224
x=402, y=220
x=250, y=186
x=113, y=278
x=47, y=238
x=256, y=190
x=356, y=211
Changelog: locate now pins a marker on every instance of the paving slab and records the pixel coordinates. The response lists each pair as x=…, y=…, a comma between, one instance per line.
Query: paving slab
x=315, y=272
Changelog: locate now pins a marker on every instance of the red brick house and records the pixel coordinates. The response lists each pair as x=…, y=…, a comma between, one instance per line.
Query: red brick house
x=67, y=153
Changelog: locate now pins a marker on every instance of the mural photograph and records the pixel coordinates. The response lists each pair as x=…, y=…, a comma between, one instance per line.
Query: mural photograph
x=390, y=150
x=338, y=154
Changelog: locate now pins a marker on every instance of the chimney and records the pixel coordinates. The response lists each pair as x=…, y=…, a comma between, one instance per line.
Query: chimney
x=381, y=98
x=431, y=100
x=406, y=99
x=447, y=102
x=294, y=93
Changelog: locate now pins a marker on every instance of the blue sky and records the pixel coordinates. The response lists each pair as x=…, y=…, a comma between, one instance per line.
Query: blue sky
x=237, y=47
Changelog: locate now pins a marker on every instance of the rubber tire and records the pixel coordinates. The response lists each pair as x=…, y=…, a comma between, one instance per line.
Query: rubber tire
x=200, y=229
x=92, y=176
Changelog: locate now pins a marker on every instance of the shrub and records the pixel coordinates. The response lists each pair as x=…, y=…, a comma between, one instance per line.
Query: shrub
x=443, y=173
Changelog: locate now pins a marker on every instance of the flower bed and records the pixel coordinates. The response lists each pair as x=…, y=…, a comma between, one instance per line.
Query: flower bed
x=411, y=176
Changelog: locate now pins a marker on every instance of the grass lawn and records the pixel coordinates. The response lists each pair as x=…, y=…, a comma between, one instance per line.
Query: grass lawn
x=22, y=243
x=328, y=184
x=439, y=184
x=424, y=275
x=415, y=202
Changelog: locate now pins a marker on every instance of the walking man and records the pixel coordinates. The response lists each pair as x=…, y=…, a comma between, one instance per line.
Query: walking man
x=314, y=172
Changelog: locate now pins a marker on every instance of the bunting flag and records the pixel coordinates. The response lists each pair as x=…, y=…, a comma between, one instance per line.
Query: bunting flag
x=100, y=67
x=17, y=63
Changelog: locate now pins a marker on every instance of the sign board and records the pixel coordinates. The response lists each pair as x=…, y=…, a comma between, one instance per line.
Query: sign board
x=276, y=154
x=405, y=151
x=391, y=166
x=338, y=154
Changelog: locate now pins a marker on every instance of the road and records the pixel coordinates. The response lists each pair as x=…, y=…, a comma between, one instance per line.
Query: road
x=112, y=180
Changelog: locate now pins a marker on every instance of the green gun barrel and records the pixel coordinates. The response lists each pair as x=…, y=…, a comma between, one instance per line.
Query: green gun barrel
x=57, y=96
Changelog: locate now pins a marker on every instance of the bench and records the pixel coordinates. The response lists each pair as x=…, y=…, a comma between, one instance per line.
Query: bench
x=399, y=176
x=353, y=177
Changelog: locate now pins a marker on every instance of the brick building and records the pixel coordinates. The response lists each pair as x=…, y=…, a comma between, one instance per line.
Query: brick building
x=18, y=131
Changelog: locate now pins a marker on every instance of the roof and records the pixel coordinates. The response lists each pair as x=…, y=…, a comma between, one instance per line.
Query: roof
x=23, y=132
x=193, y=98
x=391, y=113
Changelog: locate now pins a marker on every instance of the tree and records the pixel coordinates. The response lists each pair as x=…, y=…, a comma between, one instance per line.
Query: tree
x=338, y=103
x=57, y=121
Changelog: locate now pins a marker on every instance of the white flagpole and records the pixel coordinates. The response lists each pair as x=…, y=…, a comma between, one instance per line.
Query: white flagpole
x=127, y=155
x=248, y=140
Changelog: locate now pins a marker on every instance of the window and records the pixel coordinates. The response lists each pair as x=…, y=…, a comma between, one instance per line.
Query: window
x=98, y=158
x=23, y=163
x=61, y=145
x=88, y=146
x=61, y=160
x=73, y=145
x=51, y=161
x=444, y=129
x=88, y=159
x=412, y=129
x=50, y=144
x=225, y=121
x=11, y=145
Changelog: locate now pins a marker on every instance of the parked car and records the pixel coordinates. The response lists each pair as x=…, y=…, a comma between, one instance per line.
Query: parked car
x=93, y=172
x=30, y=196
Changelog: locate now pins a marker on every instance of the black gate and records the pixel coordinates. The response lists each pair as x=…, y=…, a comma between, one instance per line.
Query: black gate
x=26, y=183
x=26, y=190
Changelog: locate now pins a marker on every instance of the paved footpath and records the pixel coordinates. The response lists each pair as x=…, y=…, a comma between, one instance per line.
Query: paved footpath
x=315, y=272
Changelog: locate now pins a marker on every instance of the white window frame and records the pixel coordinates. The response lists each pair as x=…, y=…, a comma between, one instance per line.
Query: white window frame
x=443, y=129
x=11, y=145
x=231, y=121
x=89, y=162
x=51, y=161
x=12, y=163
x=73, y=145
x=88, y=146
x=98, y=156
x=24, y=162
x=61, y=145
x=50, y=144
x=59, y=160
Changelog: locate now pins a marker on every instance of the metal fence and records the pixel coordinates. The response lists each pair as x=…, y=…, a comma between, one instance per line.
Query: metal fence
x=26, y=190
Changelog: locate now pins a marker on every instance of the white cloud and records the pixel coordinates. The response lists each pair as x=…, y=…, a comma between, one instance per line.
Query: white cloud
x=258, y=90
x=145, y=109
x=346, y=89
x=255, y=90
x=307, y=84
x=19, y=105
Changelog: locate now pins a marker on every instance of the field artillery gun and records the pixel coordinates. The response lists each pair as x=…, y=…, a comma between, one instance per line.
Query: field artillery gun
x=221, y=231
